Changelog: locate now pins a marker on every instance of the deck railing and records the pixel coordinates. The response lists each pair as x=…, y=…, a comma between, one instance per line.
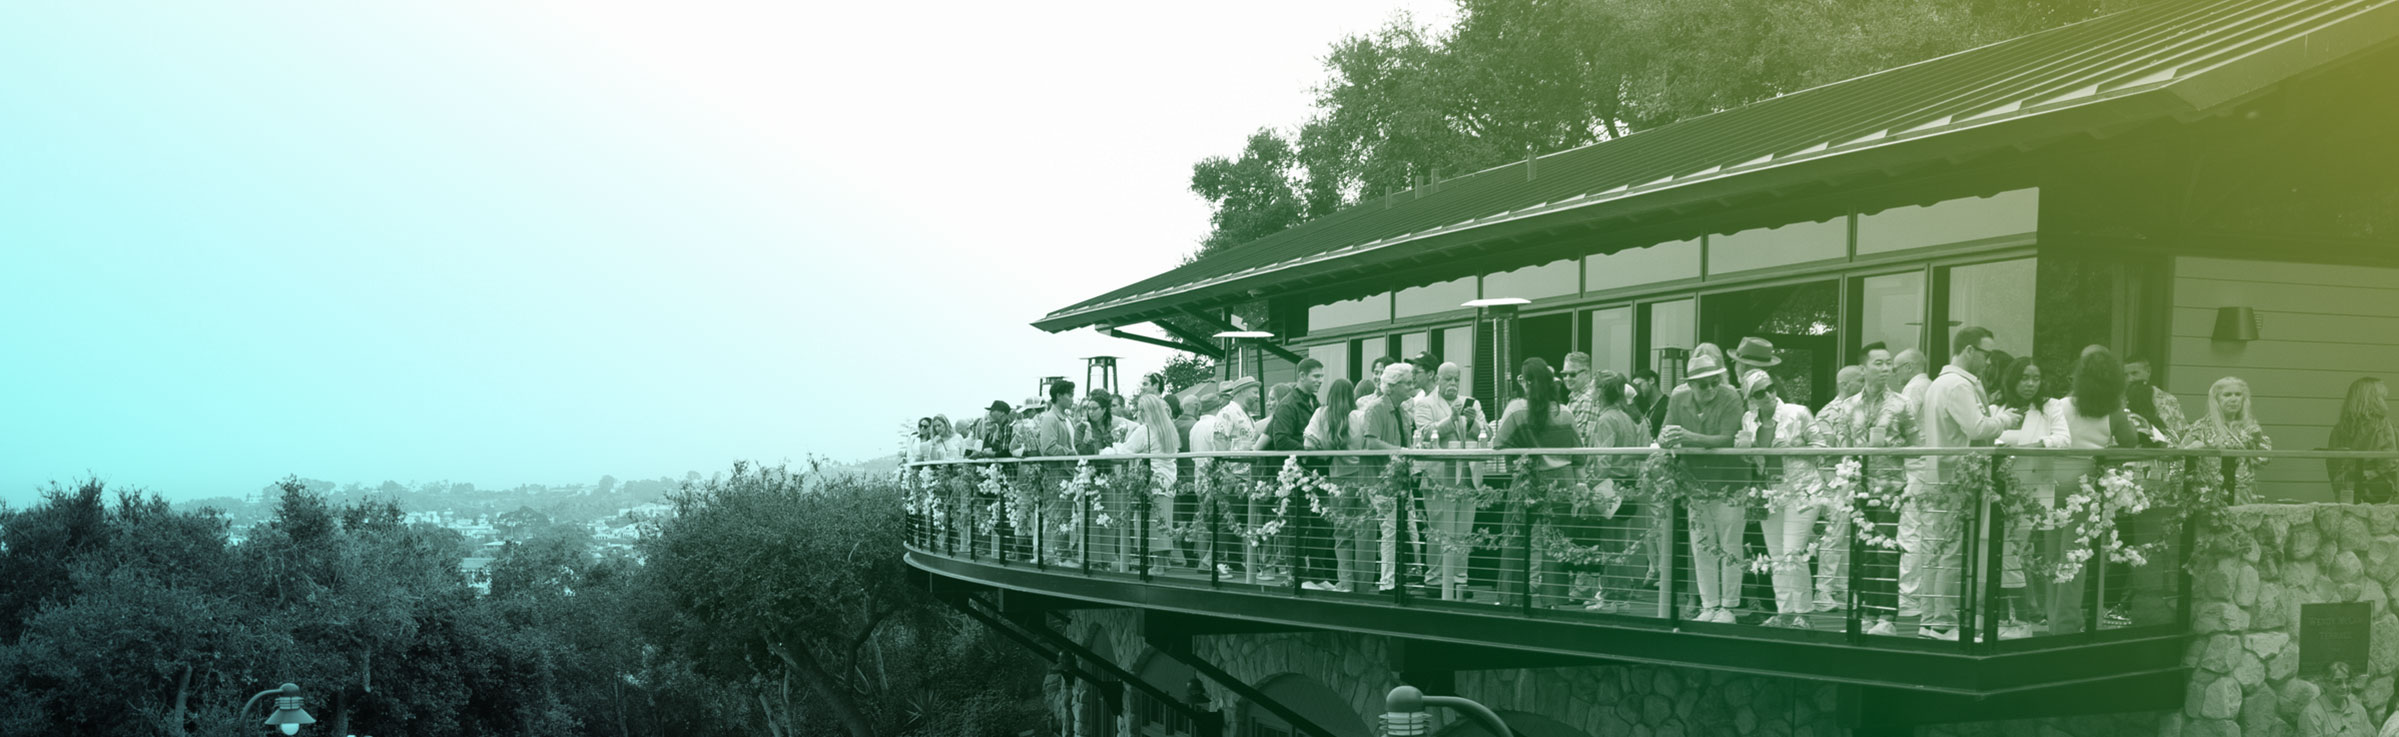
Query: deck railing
x=2001, y=548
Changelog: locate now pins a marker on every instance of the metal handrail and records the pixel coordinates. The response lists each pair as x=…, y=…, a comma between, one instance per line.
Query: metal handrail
x=1485, y=453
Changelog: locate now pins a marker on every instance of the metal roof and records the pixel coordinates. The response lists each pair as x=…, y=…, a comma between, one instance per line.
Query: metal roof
x=2169, y=60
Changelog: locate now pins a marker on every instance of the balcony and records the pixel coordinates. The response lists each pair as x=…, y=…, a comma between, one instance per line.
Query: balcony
x=2066, y=572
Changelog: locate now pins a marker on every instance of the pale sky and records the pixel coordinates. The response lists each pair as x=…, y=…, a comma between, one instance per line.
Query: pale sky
x=540, y=242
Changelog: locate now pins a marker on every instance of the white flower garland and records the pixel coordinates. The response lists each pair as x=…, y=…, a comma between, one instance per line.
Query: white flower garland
x=2089, y=514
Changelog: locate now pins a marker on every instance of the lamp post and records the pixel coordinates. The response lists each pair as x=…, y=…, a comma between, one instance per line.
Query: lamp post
x=1502, y=310
x=1404, y=714
x=288, y=715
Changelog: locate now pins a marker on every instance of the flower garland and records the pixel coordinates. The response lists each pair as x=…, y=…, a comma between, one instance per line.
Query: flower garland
x=2088, y=515
x=1852, y=495
x=1081, y=493
x=994, y=486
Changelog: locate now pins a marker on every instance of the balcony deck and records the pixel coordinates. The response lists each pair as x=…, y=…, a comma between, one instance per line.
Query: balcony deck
x=1105, y=543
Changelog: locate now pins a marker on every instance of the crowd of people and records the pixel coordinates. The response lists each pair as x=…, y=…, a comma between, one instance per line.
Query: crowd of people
x=1981, y=397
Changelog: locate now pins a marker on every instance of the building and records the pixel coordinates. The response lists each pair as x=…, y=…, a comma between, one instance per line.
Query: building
x=2210, y=183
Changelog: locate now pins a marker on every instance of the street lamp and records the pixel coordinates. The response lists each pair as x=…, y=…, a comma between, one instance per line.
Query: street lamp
x=288, y=715
x=1404, y=714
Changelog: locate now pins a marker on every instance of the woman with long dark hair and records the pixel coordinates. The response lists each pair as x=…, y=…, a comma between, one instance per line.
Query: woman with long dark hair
x=2018, y=388
x=1539, y=422
x=1345, y=512
x=2365, y=424
x=2090, y=418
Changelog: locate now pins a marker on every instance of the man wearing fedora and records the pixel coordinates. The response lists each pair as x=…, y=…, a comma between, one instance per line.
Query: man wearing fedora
x=1708, y=415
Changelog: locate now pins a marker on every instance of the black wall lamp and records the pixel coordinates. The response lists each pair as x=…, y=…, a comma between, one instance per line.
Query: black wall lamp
x=2236, y=324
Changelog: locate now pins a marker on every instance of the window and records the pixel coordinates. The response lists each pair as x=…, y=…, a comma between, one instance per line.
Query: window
x=1998, y=296
x=1432, y=298
x=1632, y=267
x=1891, y=310
x=1457, y=346
x=1611, y=339
x=1553, y=279
x=1411, y=344
x=1350, y=312
x=1952, y=221
x=1796, y=243
x=1335, y=357
x=1671, y=325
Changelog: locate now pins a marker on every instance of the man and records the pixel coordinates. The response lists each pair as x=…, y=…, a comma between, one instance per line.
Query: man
x=997, y=437
x=1832, y=549
x=1287, y=424
x=1452, y=418
x=1056, y=433
x=1911, y=364
x=1425, y=406
x=1877, y=418
x=1388, y=427
x=1649, y=404
x=2160, y=407
x=1582, y=404
x=1955, y=413
x=1708, y=415
x=1234, y=428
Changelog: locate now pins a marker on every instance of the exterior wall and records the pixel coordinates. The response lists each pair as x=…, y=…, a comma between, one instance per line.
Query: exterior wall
x=2267, y=560
x=2323, y=327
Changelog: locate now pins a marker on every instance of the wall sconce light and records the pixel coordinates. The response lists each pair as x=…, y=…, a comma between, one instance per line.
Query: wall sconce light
x=2236, y=324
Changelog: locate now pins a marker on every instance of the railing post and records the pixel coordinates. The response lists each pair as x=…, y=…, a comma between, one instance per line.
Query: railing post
x=1083, y=548
x=1855, y=618
x=1141, y=554
x=1524, y=513
x=1669, y=580
x=1040, y=530
x=1402, y=520
x=1211, y=504
x=1994, y=568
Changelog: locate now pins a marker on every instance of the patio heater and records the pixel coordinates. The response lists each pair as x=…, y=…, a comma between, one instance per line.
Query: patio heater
x=1501, y=314
x=1099, y=372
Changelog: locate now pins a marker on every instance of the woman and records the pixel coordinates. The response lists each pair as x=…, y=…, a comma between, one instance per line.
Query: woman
x=2229, y=425
x=2092, y=418
x=2365, y=424
x=1153, y=435
x=1615, y=427
x=1795, y=496
x=1539, y=422
x=2019, y=387
x=1331, y=428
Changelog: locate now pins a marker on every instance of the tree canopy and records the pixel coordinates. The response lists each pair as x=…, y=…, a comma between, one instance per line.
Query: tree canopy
x=1406, y=104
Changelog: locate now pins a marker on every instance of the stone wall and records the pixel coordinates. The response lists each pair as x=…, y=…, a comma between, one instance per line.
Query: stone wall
x=2256, y=565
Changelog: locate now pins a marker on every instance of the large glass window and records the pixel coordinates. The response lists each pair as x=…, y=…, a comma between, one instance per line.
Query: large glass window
x=1671, y=325
x=1632, y=267
x=1553, y=279
x=1411, y=344
x=1431, y=298
x=1369, y=350
x=1350, y=312
x=1457, y=346
x=1796, y=243
x=1611, y=339
x=1998, y=296
x=1335, y=357
x=1891, y=310
x=1971, y=218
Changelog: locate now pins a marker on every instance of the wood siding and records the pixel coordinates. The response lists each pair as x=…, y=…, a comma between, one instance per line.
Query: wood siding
x=2322, y=327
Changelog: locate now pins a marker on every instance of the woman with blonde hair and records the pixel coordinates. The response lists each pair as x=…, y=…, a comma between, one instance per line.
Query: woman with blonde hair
x=2230, y=425
x=1153, y=434
x=2365, y=424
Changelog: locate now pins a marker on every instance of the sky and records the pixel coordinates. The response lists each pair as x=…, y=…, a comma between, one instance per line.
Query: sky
x=539, y=242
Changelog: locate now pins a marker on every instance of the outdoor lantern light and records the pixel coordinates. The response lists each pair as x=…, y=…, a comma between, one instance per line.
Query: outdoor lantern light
x=288, y=715
x=2236, y=324
x=1404, y=714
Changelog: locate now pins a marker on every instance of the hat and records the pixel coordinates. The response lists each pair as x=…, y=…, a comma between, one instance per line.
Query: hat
x=997, y=406
x=1755, y=352
x=1240, y=384
x=1755, y=381
x=1703, y=366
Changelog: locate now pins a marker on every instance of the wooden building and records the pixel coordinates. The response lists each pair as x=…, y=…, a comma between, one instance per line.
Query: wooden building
x=2120, y=182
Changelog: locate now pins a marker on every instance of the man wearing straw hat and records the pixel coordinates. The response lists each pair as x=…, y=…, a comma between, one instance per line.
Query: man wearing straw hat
x=1708, y=416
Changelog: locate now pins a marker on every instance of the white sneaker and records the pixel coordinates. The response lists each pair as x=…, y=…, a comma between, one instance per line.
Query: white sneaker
x=1929, y=633
x=1800, y=622
x=1319, y=586
x=2015, y=631
x=1883, y=627
x=1224, y=570
x=1722, y=616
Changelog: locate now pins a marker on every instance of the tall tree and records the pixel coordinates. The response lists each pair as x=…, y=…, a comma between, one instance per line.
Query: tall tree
x=1254, y=194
